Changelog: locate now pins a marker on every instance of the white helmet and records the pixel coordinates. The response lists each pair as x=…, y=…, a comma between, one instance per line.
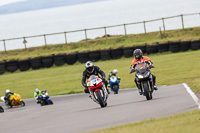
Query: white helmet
x=7, y=91
x=115, y=71
x=36, y=90
x=89, y=66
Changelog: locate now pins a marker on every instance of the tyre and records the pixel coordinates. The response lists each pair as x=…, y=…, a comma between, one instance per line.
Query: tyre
x=50, y=102
x=174, y=46
x=128, y=51
x=24, y=65
x=115, y=88
x=105, y=55
x=71, y=58
x=83, y=57
x=42, y=103
x=22, y=103
x=2, y=67
x=147, y=93
x=94, y=55
x=100, y=99
x=151, y=49
x=12, y=66
x=1, y=110
x=60, y=59
x=47, y=61
x=163, y=47
x=186, y=45
x=36, y=63
x=195, y=45
x=116, y=53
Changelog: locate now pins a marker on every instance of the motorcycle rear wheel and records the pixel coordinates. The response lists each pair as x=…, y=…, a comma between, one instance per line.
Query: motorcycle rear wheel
x=100, y=99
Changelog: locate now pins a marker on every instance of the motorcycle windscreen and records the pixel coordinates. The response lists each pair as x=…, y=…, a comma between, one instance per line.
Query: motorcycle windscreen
x=141, y=67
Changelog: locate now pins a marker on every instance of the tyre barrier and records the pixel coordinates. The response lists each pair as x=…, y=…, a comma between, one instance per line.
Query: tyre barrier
x=12, y=66
x=71, y=58
x=150, y=49
x=105, y=55
x=195, y=45
x=60, y=59
x=163, y=47
x=2, y=67
x=143, y=48
x=116, y=53
x=174, y=46
x=36, y=63
x=24, y=65
x=94, y=55
x=186, y=45
x=128, y=51
x=83, y=57
x=47, y=61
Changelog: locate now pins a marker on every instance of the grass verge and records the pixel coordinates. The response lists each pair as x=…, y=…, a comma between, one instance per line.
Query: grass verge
x=181, y=123
x=102, y=43
x=171, y=68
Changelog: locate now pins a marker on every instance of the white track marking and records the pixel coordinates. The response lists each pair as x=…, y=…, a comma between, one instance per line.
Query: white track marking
x=193, y=95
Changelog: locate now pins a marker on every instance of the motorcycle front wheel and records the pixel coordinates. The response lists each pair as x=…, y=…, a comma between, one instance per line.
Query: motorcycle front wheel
x=22, y=103
x=100, y=99
x=148, y=93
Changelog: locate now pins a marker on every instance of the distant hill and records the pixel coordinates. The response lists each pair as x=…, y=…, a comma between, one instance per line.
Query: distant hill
x=29, y=5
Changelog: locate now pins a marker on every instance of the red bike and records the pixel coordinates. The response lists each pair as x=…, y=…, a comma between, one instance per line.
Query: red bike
x=97, y=90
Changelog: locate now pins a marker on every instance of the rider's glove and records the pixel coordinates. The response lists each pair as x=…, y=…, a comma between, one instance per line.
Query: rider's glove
x=132, y=70
x=151, y=66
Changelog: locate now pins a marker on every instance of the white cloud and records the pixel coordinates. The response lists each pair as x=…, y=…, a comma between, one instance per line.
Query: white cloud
x=6, y=2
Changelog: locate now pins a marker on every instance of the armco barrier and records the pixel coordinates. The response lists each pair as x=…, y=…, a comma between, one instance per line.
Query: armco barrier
x=94, y=55
x=71, y=58
x=82, y=57
x=60, y=59
x=47, y=61
x=128, y=51
x=24, y=65
x=185, y=45
x=116, y=53
x=150, y=49
x=195, y=45
x=105, y=54
x=36, y=63
x=12, y=66
x=2, y=67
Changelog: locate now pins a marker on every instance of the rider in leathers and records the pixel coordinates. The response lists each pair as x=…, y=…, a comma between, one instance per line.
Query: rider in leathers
x=92, y=70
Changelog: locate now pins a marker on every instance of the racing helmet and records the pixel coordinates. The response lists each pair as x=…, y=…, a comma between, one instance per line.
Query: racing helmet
x=115, y=71
x=37, y=90
x=7, y=91
x=89, y=66
x=137, y=54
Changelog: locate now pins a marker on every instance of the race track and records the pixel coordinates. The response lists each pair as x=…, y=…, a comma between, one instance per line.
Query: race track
x=78, y=113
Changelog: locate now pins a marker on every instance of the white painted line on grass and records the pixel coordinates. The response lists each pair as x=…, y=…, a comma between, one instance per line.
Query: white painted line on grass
x=195, y=98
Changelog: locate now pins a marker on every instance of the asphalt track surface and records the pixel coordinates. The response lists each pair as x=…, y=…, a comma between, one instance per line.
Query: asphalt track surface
x=78, y=113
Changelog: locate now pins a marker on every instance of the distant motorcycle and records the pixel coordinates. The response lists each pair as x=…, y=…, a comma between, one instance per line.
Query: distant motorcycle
x=45, y=99
x=97, y=90
x=114, y=84
x=1, y=110
x=145, y=78
x=15, y=100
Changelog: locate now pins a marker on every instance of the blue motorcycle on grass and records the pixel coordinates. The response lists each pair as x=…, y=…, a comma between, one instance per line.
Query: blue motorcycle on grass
x=114, y=84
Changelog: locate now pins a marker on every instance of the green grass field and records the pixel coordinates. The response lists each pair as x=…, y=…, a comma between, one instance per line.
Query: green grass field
x=182, y=123
x=171, y=68
x=101, y=43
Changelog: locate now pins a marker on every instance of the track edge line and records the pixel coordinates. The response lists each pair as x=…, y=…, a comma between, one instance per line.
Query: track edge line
x=192, y=94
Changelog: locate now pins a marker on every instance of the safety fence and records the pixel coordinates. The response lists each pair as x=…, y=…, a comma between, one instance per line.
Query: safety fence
x=65, y=34
x=82, y=57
